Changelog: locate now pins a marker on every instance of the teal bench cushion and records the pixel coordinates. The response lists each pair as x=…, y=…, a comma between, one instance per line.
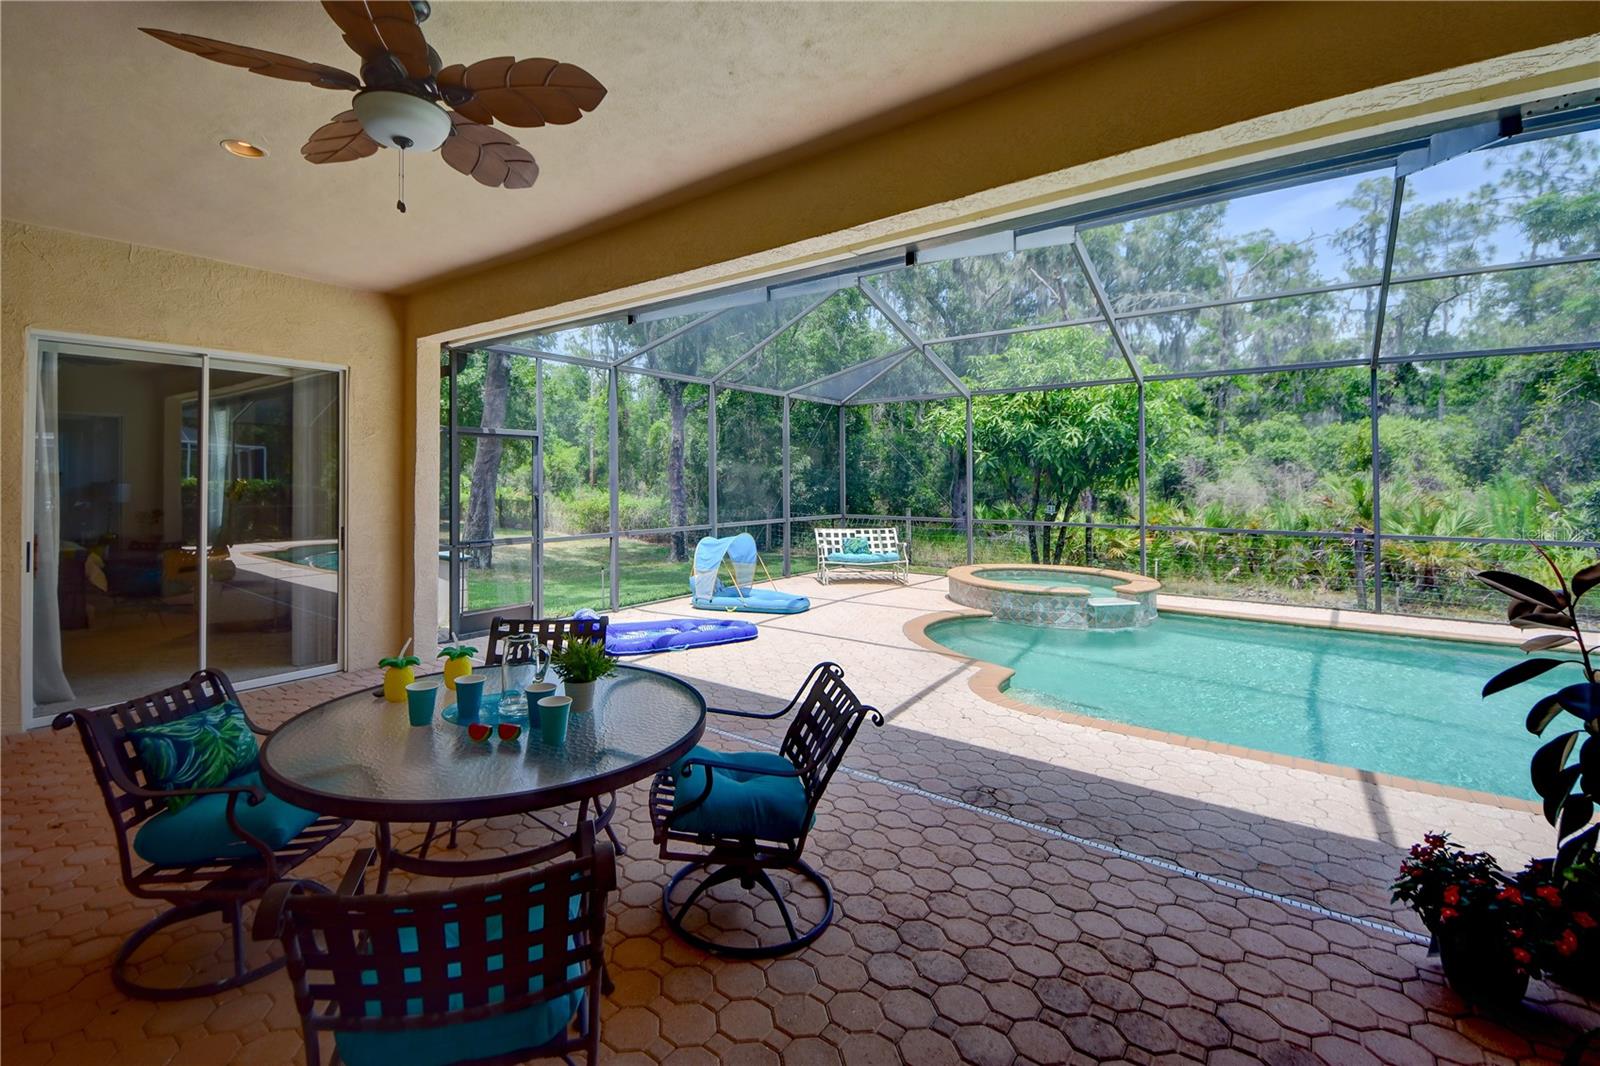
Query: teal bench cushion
x=863, y=557
x=200, y=832
x=740, y=804
x=502, y=1034
x=199, y=750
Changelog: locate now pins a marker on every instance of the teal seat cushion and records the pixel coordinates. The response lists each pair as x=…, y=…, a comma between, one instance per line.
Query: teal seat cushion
x=740, y=804
x=863, y=557
x=199, y=750
x=200, y=832
x=501, y=1034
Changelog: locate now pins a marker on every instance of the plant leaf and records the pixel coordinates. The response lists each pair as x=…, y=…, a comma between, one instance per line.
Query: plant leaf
x=1547, y=641
x=1548, y=761
x=1584, y=580
x=1559, y=792
x=1541, y=714
x=1577, y=849
x=1582, y=699
x=1518, y=673
x=1521, y=588
x=1576, y=813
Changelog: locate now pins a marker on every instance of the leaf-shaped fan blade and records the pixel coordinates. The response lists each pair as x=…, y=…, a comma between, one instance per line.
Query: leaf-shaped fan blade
x=339, y=141
x=489, y=156
x=259, y=61
x=373, y=28
x=528, y=92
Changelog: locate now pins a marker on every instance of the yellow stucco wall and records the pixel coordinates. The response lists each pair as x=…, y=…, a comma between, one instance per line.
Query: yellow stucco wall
x=62, y=281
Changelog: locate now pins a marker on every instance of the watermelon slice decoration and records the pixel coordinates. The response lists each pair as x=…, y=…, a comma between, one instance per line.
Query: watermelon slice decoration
x=480, y=731
x=510, y=731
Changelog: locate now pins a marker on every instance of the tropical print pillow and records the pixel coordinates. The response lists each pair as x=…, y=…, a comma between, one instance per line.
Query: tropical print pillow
x=201, y=750
x=856, y=545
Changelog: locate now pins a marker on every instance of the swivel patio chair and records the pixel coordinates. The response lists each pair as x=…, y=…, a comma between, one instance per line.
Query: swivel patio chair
x=738, y=815
x=218, y=853
x=553, y=633
x=486, y=973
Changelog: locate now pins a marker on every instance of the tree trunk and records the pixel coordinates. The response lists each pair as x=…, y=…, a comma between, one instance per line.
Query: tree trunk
x=1088, y=530
x=678, y=505
x=486, y=461
x=959, y=489
x=1034, y=552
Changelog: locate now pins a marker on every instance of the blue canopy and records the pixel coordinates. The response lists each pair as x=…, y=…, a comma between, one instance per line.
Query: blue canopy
x=739, y=550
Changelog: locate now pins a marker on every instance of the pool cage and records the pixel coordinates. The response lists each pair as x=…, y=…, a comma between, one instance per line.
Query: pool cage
x=1193, y=383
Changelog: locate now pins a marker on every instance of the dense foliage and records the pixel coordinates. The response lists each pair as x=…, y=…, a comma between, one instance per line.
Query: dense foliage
x=1504, y=445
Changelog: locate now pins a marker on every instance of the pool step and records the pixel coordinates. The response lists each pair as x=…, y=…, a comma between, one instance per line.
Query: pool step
x=1109, y=612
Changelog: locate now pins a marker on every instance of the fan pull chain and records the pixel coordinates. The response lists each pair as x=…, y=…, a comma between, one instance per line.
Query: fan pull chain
x=400, y=204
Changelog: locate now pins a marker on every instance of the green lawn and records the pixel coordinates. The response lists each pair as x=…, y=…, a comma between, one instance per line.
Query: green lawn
x=576, y=575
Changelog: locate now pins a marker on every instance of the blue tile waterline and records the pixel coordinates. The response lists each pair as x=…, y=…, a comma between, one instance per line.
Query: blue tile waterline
x=1408, y=706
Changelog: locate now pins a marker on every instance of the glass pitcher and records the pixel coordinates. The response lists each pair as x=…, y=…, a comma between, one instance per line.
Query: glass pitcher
x=523, y=664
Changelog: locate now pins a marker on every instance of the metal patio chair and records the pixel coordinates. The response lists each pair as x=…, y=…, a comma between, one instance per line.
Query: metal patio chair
x=486, y=973
x=260, y=838
x=739, y=815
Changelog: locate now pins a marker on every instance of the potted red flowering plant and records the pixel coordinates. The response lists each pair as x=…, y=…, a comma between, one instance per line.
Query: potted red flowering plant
x=1462, y=898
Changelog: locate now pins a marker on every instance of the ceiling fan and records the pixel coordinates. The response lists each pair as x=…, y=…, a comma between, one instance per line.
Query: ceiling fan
x=404, y=89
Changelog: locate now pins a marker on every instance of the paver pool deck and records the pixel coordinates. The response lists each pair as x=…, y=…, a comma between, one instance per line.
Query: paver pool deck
x=1012, y=887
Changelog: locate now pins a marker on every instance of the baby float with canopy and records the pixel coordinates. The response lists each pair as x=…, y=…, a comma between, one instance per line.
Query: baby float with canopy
x=738, y=553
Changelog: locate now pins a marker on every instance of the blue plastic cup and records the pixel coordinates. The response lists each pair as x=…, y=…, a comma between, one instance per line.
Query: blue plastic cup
x=469, y=697
x=554, y=713
x=420, y=699
x=538, y=691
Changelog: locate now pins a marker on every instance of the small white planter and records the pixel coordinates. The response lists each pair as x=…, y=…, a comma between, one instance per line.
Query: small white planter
x=582, y=693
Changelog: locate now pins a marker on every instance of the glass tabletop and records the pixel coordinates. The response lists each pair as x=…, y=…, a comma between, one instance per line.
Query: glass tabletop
x=359, y=757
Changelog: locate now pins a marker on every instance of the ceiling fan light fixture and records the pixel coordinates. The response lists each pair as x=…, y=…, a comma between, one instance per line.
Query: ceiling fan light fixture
x=401, y=120
x=242, y=149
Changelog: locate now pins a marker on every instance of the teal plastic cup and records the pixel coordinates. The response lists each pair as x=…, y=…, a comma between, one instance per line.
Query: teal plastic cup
x=420, y=699
x=554, y=713
x=538, y=691
x=469, y=697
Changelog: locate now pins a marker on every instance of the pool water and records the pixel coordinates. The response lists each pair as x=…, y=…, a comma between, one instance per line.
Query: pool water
x=321, y=556
x=1046, y=579
x=1397, y=705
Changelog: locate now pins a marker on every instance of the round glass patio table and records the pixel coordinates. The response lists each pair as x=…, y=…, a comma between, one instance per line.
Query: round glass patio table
x=359, y=757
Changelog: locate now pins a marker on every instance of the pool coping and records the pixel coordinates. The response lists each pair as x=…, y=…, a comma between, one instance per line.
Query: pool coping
x=991, y=681
x=1134, y=585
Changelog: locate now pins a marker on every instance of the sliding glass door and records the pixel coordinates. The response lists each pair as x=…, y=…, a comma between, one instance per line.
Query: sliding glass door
x=186, y=513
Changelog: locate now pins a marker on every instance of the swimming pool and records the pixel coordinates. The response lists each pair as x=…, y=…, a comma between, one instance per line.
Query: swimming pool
x=1406, y=706
x=321, y=556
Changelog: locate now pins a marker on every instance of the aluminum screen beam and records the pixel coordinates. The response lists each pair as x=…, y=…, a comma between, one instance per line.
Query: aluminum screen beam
x=1372, y=396
x=711, y=459
x=972, y=544
x=673, y=335
x=764, y=341
x=611, y=463
x=905, y=330
x=1081, y=252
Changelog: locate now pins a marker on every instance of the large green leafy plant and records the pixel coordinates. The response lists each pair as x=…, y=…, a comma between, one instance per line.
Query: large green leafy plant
x=1566, y=769
x=583, y=661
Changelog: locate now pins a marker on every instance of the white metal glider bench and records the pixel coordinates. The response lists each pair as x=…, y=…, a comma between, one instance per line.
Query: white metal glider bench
x=861, y=551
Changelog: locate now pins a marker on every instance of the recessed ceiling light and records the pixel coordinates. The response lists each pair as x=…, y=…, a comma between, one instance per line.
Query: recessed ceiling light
x=243, y=149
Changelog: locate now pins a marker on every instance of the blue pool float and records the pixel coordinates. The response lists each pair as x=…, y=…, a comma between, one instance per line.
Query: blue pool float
x=674, y=634
x=711, y=593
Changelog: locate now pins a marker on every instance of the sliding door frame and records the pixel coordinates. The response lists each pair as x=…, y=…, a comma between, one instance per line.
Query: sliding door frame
x=36, y=338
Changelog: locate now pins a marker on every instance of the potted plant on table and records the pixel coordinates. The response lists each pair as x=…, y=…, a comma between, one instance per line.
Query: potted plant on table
x=581, y=663
x=1493, y=930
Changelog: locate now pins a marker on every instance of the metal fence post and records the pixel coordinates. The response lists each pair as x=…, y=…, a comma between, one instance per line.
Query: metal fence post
x=1144, y=522
x=787, y=558
x=971, y=491
x=711, y=459
x=616, y=519
x=844, y=499
x=1373, y=396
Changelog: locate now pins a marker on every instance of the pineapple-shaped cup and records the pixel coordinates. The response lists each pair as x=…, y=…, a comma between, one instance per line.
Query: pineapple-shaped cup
x=457, y=663
x=397, y=674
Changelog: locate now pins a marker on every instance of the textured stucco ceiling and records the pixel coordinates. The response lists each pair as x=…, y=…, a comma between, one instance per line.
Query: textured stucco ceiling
x=111, y=133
